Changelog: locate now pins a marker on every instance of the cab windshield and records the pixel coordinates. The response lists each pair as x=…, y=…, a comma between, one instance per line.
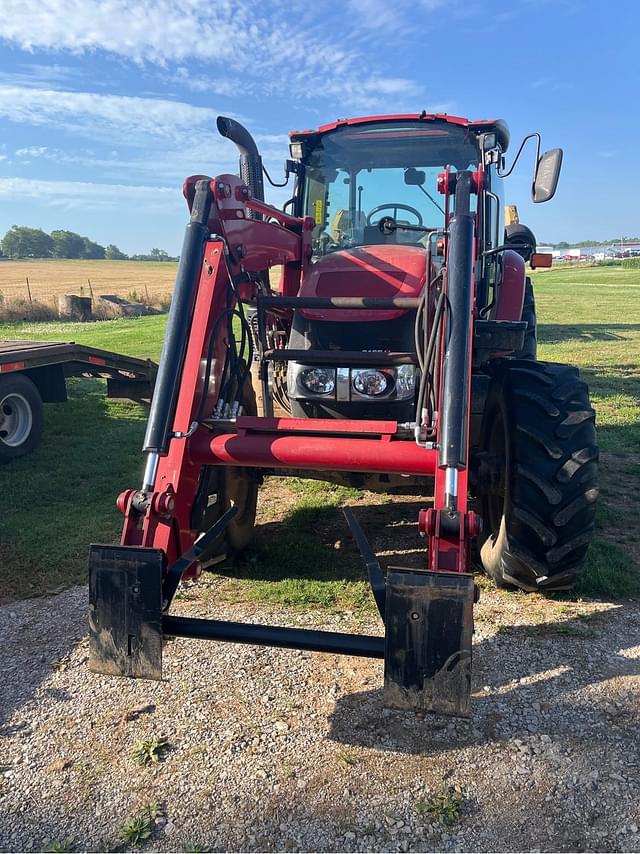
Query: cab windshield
x=354, y=176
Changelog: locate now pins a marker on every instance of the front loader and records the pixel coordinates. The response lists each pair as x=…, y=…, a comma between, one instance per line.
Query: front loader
x=386, y=321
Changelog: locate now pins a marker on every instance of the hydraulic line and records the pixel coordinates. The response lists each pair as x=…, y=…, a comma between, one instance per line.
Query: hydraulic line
x=165, y=395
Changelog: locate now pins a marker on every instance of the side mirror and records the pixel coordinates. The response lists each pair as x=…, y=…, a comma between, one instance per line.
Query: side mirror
x=545, y=180
x=414, y=177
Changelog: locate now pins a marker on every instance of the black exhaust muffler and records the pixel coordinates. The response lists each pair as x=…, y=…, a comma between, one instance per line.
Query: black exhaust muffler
x=250, y=160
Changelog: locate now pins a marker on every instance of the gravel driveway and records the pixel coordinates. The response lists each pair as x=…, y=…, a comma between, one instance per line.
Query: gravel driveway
x=283, y=750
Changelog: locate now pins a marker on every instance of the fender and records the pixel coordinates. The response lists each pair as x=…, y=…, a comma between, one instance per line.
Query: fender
x=510, y=297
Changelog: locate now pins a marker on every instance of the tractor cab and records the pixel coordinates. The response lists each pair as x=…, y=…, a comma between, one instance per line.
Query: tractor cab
x=370, y=186
x=355, y=174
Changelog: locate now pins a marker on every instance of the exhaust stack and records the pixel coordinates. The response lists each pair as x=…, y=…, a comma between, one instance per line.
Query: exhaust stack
x=250, y=160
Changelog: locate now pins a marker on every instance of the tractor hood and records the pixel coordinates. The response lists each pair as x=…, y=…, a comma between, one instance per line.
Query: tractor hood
x=365, y=271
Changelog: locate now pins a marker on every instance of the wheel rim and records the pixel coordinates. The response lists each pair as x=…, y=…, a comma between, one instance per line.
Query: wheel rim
x=237, y=490
x=16, y=420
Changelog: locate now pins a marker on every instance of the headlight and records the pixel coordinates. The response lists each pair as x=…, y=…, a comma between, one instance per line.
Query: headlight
x=371, y=383
x=318, y=380
x=405, y=380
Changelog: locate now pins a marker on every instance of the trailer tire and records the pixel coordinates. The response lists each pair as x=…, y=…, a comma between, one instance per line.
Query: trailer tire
x=21, y=417
x=538, y=505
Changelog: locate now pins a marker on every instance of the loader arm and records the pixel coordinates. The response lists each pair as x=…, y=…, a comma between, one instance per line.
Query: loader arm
x=196, y=422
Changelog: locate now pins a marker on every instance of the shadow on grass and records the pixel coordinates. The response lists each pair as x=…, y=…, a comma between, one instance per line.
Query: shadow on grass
x=310, y=558
x=563, y=333
x=61, y=497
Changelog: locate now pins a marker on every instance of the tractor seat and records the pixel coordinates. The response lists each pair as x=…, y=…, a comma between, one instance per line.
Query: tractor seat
x=372, y=236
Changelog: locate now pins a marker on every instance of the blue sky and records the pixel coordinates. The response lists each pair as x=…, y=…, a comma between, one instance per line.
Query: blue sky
x=106, y=105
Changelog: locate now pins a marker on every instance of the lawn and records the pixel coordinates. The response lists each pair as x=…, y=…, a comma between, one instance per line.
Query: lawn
x=61, y=498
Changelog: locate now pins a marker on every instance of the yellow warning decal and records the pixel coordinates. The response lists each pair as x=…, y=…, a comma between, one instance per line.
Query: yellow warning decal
x=318, y=211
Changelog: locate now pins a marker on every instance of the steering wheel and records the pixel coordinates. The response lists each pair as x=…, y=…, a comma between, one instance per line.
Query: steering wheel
x=395, y=206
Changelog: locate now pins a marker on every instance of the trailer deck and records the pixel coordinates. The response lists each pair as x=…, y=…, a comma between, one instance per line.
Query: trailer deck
x=123, y=373
x=35, y=372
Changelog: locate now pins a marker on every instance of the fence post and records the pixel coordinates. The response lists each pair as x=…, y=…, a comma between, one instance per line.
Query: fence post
x=28, y=289
x=90, y=289
x=146, y=290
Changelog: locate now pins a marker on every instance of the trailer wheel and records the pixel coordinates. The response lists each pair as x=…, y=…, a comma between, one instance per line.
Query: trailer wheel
x=537, y=501
x=21, y=417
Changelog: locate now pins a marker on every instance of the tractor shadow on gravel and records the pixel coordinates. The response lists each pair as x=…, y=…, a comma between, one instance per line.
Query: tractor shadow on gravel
x=525, y=683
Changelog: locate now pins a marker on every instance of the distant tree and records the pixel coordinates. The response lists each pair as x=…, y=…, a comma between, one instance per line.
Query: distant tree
x=154, y=255
x=92, y=250
x=112, y=253
x=23, y=242
x=67, y=244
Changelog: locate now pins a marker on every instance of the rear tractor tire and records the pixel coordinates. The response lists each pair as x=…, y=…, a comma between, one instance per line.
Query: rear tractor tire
x=537, y=497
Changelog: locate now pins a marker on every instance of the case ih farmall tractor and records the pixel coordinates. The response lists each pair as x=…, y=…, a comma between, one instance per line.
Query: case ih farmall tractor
x=392, y=325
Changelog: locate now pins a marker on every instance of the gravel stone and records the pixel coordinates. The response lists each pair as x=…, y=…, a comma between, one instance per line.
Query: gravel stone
x=276, y=750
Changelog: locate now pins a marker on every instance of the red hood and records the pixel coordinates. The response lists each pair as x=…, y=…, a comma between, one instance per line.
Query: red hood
x=366, y=271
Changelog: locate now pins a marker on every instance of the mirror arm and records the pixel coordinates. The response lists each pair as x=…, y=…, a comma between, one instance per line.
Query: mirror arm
x=506, y=174
x=504, y=247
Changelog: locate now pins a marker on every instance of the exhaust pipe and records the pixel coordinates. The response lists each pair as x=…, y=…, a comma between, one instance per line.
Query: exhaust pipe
x=250, y=160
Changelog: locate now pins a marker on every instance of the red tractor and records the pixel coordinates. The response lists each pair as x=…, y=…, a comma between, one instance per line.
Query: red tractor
x=396, y=345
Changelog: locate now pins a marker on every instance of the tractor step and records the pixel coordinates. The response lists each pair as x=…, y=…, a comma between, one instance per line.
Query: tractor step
x=429, y=624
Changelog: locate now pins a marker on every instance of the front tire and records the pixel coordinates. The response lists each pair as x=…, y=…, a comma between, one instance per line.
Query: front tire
x=21, y=417
x=223, y=487
x=538, y=497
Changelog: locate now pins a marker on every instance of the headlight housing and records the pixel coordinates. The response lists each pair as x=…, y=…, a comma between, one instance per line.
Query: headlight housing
x=343, y=384
x=405, y=381
x=370, y=382
x=318, y=380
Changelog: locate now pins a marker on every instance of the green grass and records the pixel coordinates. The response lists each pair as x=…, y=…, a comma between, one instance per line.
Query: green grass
x=591, y=318
x=62, y=497
x=140, y=336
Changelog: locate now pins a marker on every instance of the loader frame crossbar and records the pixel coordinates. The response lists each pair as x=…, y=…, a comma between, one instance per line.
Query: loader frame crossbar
x=426, y=612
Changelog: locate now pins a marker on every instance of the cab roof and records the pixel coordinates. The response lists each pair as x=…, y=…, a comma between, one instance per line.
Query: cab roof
x=479, y=126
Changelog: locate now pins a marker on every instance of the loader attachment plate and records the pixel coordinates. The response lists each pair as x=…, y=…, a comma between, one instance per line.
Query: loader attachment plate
x=429, y=624
x=125, y=623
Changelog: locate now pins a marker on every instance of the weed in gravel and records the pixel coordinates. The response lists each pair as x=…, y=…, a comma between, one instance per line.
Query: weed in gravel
x=58, y=846
x=139, y=827
x=150, y=750
x=348, y=758
x=445, y=807
x=88, y=776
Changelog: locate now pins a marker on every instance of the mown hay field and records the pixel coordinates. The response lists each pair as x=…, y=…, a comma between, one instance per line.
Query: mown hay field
x=48, y=278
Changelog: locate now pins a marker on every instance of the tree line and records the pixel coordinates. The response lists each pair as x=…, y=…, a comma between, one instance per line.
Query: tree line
x=24, y=242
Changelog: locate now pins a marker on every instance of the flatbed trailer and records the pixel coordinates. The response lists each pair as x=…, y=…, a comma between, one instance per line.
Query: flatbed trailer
x=35, y=372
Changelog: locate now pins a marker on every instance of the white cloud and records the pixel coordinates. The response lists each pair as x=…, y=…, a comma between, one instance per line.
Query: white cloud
x=131, y=118
x=237, y=48
x=91, y=196
x=237, y=32
x=32, y=151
